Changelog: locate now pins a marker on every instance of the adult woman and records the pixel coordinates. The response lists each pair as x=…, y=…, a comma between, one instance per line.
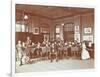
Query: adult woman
x=85, y=54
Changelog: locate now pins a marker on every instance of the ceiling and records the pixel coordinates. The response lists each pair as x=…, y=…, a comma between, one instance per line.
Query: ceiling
x=51, y=12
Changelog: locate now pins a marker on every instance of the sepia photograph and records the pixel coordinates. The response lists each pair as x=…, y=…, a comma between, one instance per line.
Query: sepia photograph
x=53, y=38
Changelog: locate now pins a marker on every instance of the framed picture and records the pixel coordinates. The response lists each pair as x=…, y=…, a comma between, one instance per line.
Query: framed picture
x=87, y=30
x=31, y=58
x=36, y=30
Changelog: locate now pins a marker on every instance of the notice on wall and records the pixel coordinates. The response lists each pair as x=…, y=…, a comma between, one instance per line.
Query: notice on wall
x=88, y=38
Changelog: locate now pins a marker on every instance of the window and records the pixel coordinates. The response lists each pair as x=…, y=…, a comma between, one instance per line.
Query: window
x=23, y=28
x=58, y=30
x=69, y=27
x=20, y=28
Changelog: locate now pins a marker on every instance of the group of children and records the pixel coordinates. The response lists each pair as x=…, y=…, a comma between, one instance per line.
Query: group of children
x=55, y=50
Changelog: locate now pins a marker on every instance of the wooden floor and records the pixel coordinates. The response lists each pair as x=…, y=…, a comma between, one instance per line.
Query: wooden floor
x=46, y=65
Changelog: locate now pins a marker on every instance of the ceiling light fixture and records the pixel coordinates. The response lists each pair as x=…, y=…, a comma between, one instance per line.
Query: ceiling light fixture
x=25, y=17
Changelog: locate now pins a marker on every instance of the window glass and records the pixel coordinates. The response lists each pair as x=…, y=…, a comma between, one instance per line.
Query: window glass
x=57, y=30
x=18, y=28
x=23, y=28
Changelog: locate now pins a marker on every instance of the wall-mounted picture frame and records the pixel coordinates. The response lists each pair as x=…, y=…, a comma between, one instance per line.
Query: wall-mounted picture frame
x=36, y=63
x=88, y=30
x=35, y=30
